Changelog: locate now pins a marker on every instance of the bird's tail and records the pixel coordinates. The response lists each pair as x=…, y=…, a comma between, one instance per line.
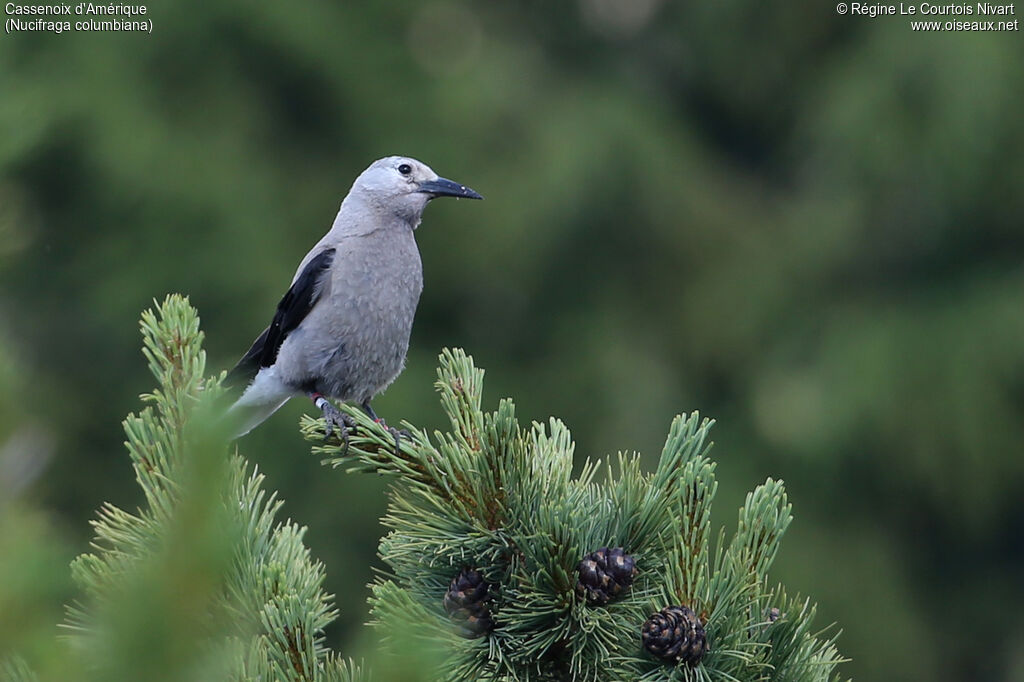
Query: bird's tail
x=248, y=417
x=264, y=396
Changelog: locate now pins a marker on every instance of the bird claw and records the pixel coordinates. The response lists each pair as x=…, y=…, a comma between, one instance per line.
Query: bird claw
x=397, y=434
x=336, y=419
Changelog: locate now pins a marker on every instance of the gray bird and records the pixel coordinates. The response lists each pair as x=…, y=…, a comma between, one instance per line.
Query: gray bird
x=342, y=330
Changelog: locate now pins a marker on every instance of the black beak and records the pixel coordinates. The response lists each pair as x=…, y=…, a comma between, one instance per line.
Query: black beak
x=443, y=187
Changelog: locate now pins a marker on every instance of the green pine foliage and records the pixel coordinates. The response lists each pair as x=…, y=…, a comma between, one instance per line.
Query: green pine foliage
x=493, y=496
x=16, y=669
x=202, y=582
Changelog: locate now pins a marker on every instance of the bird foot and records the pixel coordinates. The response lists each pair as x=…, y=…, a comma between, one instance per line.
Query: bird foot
x=397, y=434
x=334, y=419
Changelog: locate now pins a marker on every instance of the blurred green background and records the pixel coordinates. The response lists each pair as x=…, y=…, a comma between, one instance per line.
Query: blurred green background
x=808, y=226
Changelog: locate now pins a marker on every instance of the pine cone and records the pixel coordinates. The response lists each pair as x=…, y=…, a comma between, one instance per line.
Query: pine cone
x=604, y=574
x=466, y=602
x=675, y=634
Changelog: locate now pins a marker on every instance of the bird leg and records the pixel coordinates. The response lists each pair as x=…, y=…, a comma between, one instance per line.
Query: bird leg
x=333, y=417
x=398, y=434
x=369, y=411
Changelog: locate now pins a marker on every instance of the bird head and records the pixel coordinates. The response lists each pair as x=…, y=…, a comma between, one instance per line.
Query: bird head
x=404, y=186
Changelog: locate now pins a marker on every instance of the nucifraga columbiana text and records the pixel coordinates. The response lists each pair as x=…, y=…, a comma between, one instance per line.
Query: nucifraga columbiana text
x=342, y=330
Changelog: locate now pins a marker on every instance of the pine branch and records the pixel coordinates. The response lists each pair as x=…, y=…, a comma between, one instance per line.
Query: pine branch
x=202, y=582
x=493, y=548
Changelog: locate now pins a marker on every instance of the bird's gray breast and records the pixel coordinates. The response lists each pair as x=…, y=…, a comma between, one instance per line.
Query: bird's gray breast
x=354, y=342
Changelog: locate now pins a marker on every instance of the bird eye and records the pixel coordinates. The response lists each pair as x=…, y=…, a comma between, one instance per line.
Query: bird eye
x=405, y=169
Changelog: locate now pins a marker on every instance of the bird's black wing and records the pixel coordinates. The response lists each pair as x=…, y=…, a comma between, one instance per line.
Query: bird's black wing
x=292, y=309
